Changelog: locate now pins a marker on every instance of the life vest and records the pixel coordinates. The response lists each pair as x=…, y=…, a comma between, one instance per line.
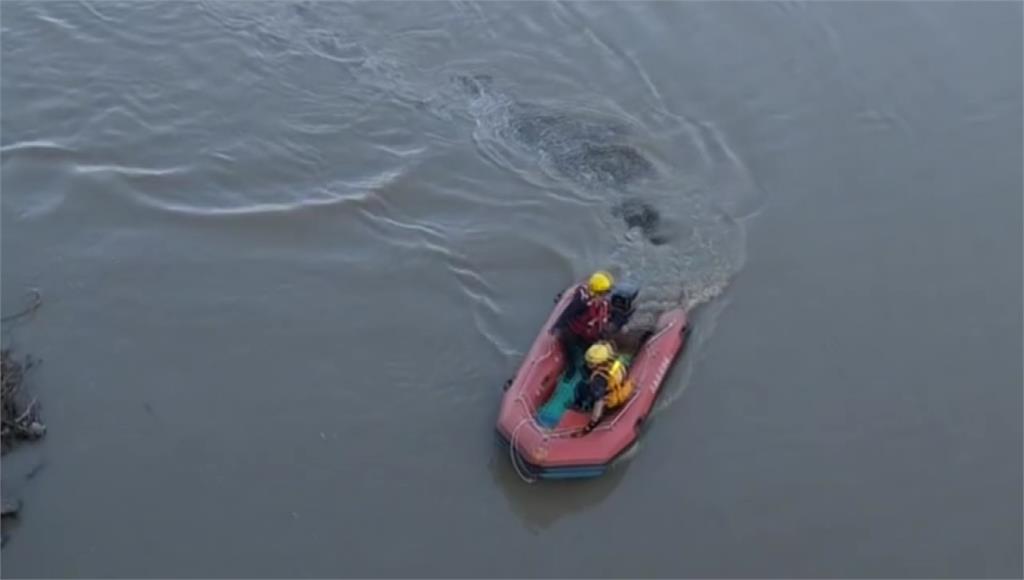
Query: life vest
x=619, y=386
x=592, y=321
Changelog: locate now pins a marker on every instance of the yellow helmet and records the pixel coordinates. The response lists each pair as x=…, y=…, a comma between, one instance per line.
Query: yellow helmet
x=599, y=353
x=600, y=282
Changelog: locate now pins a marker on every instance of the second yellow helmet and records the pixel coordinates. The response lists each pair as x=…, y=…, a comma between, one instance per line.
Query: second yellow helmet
x=599, y=353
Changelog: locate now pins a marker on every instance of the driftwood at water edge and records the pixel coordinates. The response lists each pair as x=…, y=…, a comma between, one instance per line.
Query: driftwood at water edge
x=20, y=421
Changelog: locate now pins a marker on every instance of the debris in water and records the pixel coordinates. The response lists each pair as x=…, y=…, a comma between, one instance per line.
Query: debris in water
x=34, y=304
x=10, y=507
x=20, y=420
x=35, y=470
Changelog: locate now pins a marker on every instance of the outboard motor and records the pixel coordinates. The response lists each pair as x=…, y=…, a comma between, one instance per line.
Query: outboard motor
x=623, y=296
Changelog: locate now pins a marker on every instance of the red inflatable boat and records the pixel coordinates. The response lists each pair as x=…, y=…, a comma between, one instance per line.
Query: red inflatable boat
x=550, y=444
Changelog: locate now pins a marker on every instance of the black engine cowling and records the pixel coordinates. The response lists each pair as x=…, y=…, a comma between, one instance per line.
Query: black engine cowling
x=621, y=302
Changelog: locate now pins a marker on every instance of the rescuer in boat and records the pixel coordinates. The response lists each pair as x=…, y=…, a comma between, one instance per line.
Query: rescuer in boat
x=585, y=318
x=608, y=387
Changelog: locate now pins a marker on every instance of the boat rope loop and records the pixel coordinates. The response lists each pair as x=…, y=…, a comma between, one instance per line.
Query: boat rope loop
x=523, y=472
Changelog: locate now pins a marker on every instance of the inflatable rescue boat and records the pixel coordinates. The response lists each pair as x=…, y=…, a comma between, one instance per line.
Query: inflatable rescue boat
x=544, y=431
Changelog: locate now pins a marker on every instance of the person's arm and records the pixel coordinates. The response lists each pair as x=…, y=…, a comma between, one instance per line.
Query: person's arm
x=598, y=389
x=575, y=307
x=604, y=320
x=595, y=415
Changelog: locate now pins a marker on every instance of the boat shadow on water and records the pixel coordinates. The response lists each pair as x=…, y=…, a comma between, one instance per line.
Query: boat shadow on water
x=542, y=504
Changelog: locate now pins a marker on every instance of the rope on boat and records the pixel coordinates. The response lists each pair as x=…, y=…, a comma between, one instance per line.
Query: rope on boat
x=514, y=456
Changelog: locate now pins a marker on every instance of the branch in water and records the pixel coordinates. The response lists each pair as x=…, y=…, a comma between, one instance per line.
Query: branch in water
x=19, y=422
x=37, y=301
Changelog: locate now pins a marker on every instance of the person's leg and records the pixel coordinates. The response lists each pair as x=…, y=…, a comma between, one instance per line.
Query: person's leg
x=583, y=400
x=572, y=350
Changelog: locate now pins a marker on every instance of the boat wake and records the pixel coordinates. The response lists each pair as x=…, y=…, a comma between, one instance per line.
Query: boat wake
x=675, y=197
